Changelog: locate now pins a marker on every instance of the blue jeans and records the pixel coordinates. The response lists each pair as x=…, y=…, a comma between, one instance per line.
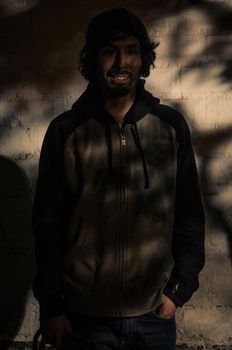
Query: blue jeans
x=146, y=332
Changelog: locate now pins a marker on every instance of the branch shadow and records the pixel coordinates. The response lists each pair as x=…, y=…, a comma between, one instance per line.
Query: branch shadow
x=207, y=146
x=41, y=46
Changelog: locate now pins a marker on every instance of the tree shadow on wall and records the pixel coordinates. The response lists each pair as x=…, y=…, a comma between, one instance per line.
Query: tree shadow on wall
x=215, y=174
x=40, y=46
x=16, y=246
x=216, y=32
x=216, y=183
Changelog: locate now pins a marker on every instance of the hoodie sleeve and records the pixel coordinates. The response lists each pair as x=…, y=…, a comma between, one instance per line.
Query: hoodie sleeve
x=188, y=233
x=50, y=220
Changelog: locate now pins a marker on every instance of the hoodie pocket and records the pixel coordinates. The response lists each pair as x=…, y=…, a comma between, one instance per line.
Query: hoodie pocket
x=157, y=317
x=80, y=236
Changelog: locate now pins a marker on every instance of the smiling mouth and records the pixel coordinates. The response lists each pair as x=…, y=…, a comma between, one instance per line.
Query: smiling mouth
x=118, y=76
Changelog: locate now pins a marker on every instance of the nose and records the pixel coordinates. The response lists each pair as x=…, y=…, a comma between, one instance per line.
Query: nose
x=120, y=59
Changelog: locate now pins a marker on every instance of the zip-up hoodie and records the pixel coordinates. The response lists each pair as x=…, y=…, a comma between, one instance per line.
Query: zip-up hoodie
x=118, y=216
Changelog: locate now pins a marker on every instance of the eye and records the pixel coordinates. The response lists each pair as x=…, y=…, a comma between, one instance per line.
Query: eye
x=108, y=52
x=133, y=51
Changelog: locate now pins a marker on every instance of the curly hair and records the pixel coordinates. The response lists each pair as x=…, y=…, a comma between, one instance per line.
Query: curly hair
x=111, y=25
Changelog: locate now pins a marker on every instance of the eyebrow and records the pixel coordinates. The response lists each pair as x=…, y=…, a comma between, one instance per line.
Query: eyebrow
x=130, y=46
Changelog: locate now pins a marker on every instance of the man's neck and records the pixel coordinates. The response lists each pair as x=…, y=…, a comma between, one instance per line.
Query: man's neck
x=119, y=106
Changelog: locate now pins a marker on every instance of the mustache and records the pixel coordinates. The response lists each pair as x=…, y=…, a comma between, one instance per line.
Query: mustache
x=114, y=72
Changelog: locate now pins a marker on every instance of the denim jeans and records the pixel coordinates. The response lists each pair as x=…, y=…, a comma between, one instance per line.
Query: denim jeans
x=146, y=332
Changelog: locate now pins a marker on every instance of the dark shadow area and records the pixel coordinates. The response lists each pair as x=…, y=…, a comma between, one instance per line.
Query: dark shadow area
x=16, y=246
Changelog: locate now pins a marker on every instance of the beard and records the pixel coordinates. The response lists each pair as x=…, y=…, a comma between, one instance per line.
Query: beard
x=118, y=91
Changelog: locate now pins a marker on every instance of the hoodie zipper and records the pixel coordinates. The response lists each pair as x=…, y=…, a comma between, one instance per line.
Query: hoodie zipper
x=123, y=138
x=122, y=218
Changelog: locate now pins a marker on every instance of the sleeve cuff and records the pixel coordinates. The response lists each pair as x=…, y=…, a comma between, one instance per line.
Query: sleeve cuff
x=178, y=292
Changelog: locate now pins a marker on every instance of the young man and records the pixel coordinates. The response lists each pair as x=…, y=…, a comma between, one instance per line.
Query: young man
x=118, y=216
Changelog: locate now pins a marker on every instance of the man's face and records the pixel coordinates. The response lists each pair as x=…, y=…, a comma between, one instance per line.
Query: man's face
x=118, y=66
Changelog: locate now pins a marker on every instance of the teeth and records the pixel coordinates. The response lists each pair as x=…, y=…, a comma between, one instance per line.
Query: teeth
x=119, y=77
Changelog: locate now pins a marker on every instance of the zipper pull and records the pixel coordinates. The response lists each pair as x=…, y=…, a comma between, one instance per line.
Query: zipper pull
x=123, y=138
x=175, y=288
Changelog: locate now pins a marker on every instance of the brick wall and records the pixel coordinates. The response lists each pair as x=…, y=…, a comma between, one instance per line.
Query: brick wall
x=40, y=43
